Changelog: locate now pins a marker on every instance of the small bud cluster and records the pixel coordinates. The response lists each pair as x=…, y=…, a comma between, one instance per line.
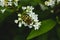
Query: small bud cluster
x=4, y=3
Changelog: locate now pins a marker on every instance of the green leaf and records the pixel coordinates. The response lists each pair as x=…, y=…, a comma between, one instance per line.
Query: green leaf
x=45, y=27
x=42, y=37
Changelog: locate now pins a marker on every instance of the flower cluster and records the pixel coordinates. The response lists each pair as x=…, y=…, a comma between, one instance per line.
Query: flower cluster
x=28, y=18
x=8, y=3
x=50, y=3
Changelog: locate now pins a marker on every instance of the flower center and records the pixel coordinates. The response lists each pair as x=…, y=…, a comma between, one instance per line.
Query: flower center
x=26, y=18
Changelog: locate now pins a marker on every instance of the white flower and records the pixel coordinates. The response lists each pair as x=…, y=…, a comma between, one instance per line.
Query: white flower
x=19, y=19
x=20, y=24
x=29, y=8
x=2, y=3
x=3, y=10
x=16, y=21
x=37, y=25
x=19, y=15
x=5, y=3
x=23, y=8
x=50, y=3
x=58, y=1
x=29, y=19
x=33, y=16
x=9, y=2
x=24, y=23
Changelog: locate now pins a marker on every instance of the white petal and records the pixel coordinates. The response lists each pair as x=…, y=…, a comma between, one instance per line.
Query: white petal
x=37, y=25
x=24, y=23
x=28, y=7
x=27, y=10
x=19, y=15
x=16, y=3
x=31, y=8
x=50, y=3
x=23, y=8
x=16, y=21
x=46, y=2
x=10, y=3
x=31, y=23
x=19, y=19
x=36, y=28
x=2, y=3
x=3, y=10
x=30, y=26
x=20, y=24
